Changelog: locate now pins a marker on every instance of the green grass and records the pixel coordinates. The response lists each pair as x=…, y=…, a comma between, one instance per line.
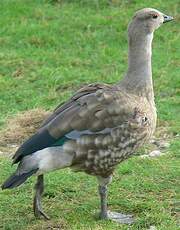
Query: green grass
x=48, y=50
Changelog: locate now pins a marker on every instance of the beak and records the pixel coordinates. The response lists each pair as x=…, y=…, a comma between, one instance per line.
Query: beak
x=167, y=18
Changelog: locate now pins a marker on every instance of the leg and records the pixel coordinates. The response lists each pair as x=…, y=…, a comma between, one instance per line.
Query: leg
x=103, y=182
x=104, y=213
x=103, y=197
x=39, y=188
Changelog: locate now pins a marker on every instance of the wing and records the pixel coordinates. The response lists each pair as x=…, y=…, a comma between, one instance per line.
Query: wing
x=93, y=108
x=91, y=88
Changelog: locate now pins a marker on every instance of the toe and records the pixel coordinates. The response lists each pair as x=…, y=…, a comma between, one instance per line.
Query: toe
x=120, y=218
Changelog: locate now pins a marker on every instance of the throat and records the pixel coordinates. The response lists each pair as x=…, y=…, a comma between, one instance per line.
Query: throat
x=139, y=74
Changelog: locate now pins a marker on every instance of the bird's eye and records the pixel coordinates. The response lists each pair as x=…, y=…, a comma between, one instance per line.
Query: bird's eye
x=154, y=16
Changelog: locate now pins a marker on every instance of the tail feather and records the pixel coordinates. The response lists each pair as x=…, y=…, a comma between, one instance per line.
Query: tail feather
x=17, y=179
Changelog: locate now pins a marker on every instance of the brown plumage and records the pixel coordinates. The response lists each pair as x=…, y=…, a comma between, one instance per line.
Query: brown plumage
x=130, y=120
x=101, y=125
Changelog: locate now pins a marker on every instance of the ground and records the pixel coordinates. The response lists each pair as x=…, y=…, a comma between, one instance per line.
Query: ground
x=48, y=50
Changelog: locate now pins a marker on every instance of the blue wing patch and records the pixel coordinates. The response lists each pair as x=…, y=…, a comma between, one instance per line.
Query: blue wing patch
x=74, y=135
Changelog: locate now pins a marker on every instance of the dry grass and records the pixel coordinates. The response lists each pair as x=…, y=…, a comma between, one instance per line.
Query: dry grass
x=25, y=124
x=22, y=126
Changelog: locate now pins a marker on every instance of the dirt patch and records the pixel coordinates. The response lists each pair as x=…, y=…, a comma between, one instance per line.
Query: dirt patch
x=22, y=126
x=25, y=124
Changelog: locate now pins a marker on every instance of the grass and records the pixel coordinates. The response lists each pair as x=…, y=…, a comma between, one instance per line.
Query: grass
x=48, y=50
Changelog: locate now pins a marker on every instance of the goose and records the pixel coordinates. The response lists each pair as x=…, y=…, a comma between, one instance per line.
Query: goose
x=100, y=126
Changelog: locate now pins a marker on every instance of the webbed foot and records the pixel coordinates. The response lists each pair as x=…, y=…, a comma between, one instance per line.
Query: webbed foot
x=120, y=218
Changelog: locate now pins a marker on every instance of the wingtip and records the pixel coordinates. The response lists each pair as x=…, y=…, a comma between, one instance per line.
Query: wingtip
x=16, y=180
x=2, y=187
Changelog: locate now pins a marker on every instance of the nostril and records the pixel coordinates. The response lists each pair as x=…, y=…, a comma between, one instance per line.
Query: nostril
x=167, y=18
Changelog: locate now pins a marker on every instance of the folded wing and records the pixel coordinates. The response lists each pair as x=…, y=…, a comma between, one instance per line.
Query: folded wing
x=95, y=107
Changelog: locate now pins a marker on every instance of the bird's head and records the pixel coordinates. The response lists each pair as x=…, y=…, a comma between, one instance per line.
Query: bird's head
x=147, y=20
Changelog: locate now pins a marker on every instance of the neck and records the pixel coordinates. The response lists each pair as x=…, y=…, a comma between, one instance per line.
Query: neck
x=139, y=74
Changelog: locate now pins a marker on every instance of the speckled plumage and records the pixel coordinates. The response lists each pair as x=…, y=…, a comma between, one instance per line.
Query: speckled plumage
x=101, y=125
x=109, y=125
x=131, y=121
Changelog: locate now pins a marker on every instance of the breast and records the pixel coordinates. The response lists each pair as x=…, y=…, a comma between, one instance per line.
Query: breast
x=99, y=153
x=109, y=149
